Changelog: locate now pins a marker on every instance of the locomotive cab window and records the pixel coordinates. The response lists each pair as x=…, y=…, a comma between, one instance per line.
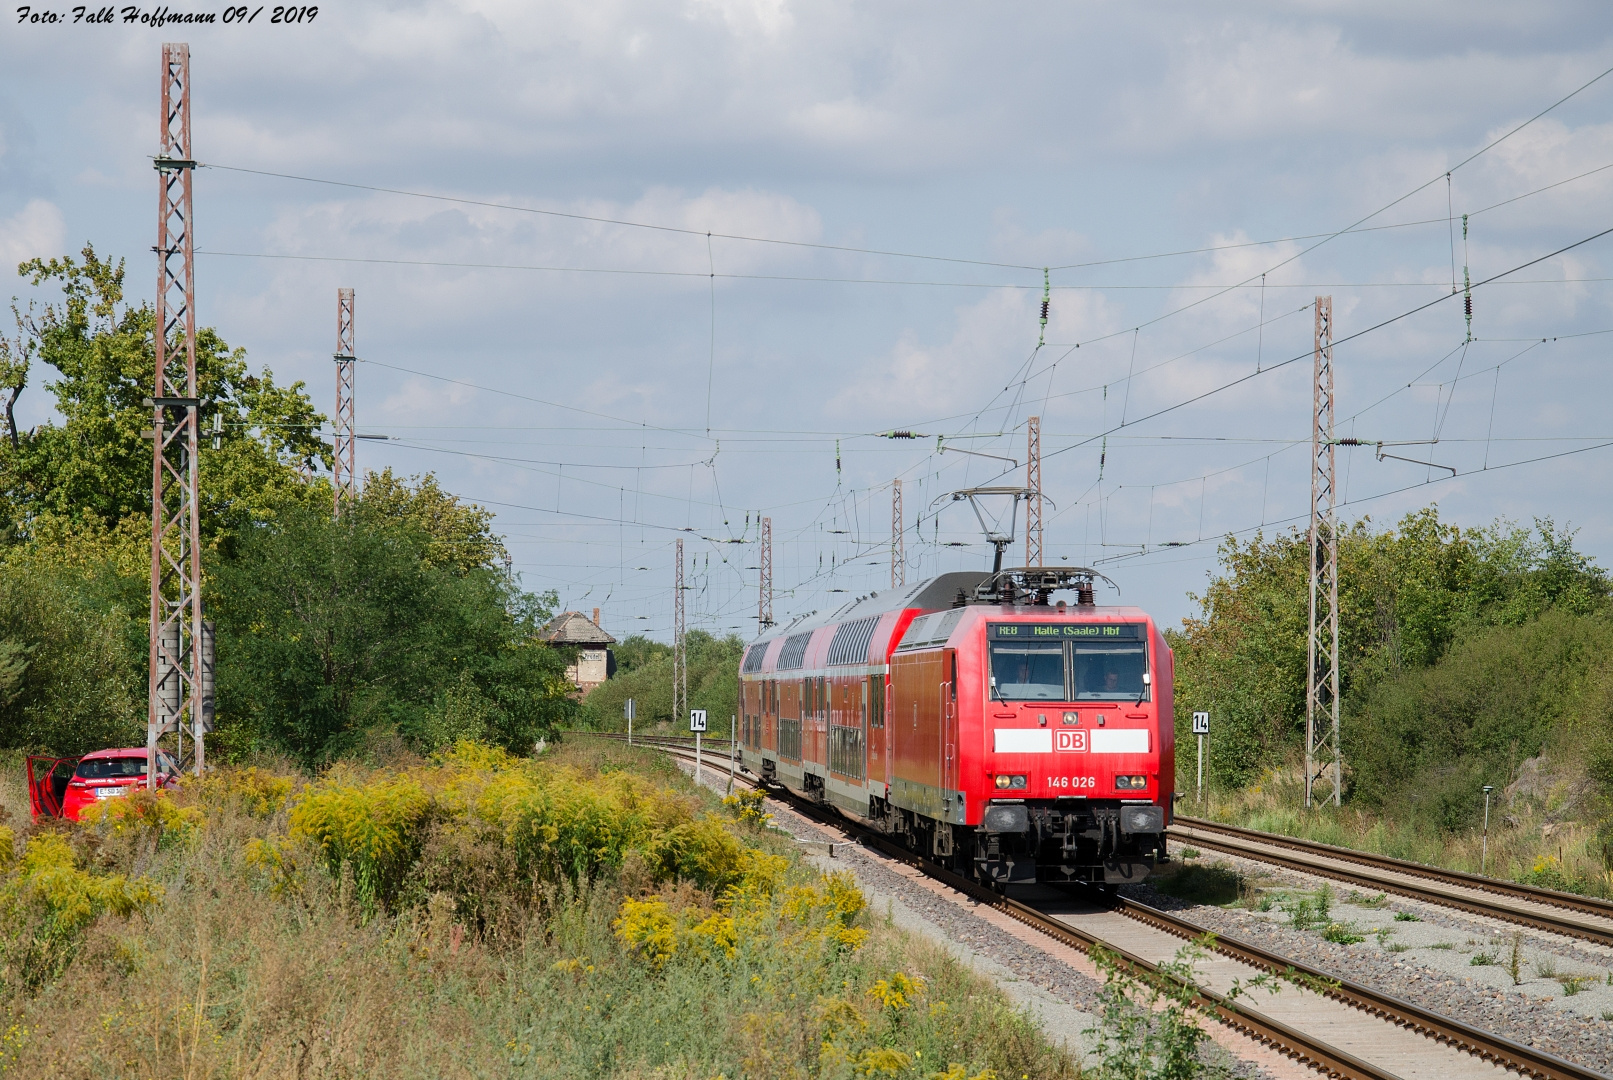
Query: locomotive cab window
x=1068, y=662
x=1027, y=670
x=1108, y=670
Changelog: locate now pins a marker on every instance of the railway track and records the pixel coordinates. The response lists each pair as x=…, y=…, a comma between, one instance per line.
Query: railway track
x=1298, y=1032
x=1543, y=909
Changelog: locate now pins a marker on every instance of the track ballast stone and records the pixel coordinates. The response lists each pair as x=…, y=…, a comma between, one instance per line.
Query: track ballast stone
x=1536, y=1021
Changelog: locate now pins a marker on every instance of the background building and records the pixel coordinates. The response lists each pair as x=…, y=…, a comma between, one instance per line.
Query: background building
x=595, y=662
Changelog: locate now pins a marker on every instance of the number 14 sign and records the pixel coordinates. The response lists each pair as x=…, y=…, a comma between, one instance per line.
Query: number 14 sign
x=1201, y=723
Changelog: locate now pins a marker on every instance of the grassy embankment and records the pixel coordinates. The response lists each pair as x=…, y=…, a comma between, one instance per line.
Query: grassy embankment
x=1526, y=844
x=588, y=914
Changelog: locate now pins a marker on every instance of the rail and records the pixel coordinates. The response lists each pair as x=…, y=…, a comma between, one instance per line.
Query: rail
x=1551, y=910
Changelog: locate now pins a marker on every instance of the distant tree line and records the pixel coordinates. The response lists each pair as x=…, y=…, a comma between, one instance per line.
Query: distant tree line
x=395, y=622
x=644, y=673
x=1462, y=653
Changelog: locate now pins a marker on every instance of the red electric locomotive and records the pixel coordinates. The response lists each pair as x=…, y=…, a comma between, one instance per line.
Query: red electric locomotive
x=968, y=716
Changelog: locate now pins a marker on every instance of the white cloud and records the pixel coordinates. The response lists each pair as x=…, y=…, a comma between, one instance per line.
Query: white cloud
x=769, y=18
x=1038, y=134
x=36, y=231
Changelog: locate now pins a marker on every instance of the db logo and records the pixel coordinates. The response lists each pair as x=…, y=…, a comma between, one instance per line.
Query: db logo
x=1074, y=742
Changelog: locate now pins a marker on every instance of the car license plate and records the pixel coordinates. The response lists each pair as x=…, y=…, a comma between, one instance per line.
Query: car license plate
x=110, y=792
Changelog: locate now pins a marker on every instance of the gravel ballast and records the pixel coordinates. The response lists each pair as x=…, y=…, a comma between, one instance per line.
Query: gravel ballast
x=1442, y=959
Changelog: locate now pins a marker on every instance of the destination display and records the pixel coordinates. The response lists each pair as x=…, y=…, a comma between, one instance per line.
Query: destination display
x=1063, y=631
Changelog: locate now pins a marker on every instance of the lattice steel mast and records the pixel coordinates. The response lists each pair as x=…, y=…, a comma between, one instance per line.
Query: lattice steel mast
x=764, y=601
x=175, y=672
x=1033, y=484
x=344, y=473
x=680, y=661
x=898, y=547
x=1322, y=667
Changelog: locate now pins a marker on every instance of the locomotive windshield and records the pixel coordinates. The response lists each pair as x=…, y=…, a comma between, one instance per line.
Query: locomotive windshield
x=1028, y=670
x=1068, y=662
x=1108, y=670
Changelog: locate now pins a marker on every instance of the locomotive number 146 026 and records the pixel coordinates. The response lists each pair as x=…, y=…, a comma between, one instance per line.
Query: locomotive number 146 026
x=1072, y=781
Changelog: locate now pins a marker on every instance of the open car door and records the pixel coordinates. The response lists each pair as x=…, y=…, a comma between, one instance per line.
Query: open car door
x=47, y=783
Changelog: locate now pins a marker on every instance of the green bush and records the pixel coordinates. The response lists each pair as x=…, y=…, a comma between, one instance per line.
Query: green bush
x=1407, y=598
x=333, y=632
x=1430, y=738
x=72, y=678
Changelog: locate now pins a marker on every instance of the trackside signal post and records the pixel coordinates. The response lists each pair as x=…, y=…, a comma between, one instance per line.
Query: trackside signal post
x=1201, y=728
x=627, y=711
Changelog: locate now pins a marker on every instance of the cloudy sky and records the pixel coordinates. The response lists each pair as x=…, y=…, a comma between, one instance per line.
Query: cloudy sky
x=648, y=271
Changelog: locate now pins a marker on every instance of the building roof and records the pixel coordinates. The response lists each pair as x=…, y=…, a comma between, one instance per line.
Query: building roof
x=574, y=628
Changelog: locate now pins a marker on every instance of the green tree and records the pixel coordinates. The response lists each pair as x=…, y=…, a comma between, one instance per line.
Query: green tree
x=333, y=632
x=71, y=671
x=459, y=535
x=1406, y=595
x=1427, y=739
x=93, y=470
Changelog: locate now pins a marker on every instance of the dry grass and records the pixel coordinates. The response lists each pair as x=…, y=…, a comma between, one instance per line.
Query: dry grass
x=237, y=970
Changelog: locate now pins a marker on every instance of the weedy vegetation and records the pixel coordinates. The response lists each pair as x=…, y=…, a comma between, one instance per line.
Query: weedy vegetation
x=584, y=914
x=1574, y=984
x=1151, y=1021
x=1308, y=911
x=1342, y=934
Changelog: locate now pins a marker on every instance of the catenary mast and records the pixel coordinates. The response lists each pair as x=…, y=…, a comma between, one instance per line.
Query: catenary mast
x=1322, y=758
x=175, y=705
x=344, y=473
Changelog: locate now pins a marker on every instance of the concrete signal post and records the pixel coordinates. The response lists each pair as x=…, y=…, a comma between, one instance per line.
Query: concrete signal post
x=627, y=711
x=697, y=724
x=1201, y=728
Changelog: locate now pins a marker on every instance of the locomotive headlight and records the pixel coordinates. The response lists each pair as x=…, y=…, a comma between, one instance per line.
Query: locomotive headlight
x=1004, y=780
x=1130, y=783
x=1072, y=718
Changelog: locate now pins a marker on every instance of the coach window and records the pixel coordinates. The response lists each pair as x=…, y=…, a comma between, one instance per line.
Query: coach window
x=876, y=701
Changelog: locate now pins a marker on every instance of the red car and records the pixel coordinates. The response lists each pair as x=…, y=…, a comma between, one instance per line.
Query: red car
x=63, y=787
